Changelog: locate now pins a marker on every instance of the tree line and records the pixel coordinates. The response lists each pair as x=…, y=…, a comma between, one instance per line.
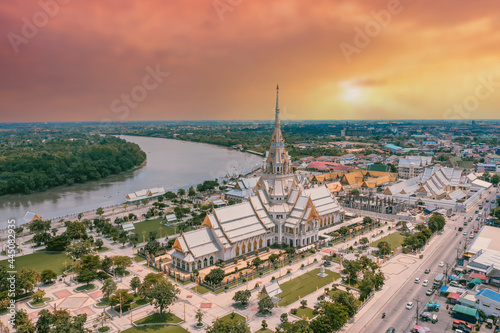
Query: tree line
x=39, y=163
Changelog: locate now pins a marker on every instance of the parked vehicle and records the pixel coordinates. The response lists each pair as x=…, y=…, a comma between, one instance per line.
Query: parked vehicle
x=425, y=283
x=434, y=318
x=489, y=323
x=417, y=280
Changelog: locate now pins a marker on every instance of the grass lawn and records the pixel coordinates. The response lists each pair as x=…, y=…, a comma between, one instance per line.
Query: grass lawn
x=305, y=313
x=156, y=318
x=138, y=258
x=103, y=302
x=104, y=329
x=267, y=330
x=156, y=329
x=395, y=240
x=154, y=225
x=41, y=261
x=41, y=302
x=86, y=287
x=136, y=303
x=304, y=285
x=233, y=317
x=102, y=249
x=201, y=289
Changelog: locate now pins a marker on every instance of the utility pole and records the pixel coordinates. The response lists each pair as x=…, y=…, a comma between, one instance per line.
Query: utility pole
x=418, y=302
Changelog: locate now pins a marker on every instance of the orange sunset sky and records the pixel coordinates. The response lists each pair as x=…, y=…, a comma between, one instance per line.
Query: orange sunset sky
x=90, y=60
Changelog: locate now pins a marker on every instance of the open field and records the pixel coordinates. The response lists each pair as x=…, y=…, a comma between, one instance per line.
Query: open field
x=304, y=285
x=395, y=240
x=41, y=261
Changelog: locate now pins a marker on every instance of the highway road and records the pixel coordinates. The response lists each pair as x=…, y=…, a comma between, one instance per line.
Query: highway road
x=451, y=243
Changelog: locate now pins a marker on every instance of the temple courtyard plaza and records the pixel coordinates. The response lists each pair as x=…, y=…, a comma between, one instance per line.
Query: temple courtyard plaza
x=213, y=305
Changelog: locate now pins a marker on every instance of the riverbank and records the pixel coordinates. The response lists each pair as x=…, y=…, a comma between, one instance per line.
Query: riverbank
x=171, y=164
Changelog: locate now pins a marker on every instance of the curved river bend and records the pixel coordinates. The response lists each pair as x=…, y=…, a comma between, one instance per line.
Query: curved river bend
x=170, y=163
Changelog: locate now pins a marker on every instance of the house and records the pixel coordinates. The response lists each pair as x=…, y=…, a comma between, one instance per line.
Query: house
x=273, y=290
x=488, y=301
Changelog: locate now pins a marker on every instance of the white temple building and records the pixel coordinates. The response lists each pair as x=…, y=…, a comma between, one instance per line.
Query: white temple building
x=275, y=209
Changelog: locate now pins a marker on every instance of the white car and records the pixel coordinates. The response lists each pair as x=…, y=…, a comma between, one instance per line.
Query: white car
x=417, y=280
x=409, y=305
x=425, y=283
x=441, y=264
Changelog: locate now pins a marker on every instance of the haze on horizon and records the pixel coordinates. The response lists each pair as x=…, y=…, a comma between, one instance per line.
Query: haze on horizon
x=221, y=60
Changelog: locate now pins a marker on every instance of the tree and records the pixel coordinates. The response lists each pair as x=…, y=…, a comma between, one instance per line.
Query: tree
x=265, y=305
x=39, y=226
x=152, y=247
x=228, y=326
x=256, y=263
x=332, y=317
x=121, y=297
x=27, y=279
x=273, y=258
x=215, y=276
x=363, y=241
x=436, y=223
x=41, y=238
x=284, y=318
x=99, y=243
x=79, y=248
x=344, y=230
x=48, y=275
x=199, y=316
x=191, y=192
x=121, y=263
x=495, y=179
x=149, y=281
x=21, y=318
x=367, y=220
x=44, y=321
x=303, y=303
x=181, y=192
x=242, y=296
x=99, y=211
x=263, y=324
x=352, y=268
x=347, y=299
x=38, y=295
x=108, y=287
x=162, y=295
x=57, y=243
x=103, y=318
x=300, y=326
x=355, y=192
x=87, y=267
x=135, y=283
x=75, y=230
x=384, y=248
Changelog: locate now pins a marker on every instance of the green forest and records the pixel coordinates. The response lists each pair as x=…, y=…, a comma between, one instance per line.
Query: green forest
x=38, y=162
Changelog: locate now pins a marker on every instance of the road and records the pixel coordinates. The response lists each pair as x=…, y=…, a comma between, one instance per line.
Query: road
x=450, y=242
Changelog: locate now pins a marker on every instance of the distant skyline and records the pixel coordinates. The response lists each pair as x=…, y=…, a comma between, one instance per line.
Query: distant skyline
x=126, y=60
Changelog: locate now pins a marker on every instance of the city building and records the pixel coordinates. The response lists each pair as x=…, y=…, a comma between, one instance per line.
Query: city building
x=412, y=166
x=279, y=210
x=440, y=188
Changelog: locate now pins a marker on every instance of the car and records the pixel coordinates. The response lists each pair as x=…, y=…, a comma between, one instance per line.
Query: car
x=471, y=236
x=460, y=228
x=427, y=271
x=455, y=284
x=429, y=292
x=409, y=305
x=417, y=280
x=390, y=330
x=425, y=283
x=441, y=264
x=465, y=233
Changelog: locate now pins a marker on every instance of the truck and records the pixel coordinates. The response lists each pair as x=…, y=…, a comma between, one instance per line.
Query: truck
x=438, y=281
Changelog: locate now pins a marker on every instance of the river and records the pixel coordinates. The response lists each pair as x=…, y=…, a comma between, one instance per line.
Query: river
x=171, y=164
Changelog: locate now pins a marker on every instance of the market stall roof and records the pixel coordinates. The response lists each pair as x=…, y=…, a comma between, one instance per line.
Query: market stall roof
x=454, y=296
x=478, y=276
x=475, y=281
